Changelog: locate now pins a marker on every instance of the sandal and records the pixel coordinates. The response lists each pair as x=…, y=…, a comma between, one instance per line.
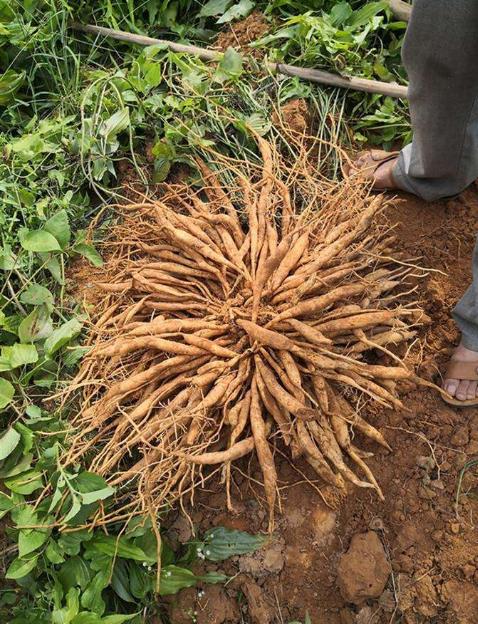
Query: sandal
x=457, y=369
x=376, y=159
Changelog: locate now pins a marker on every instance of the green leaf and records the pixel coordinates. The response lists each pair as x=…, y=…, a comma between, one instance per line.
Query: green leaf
x=21, y=354
x=7, y=259
x=86, y=617
x=68, y=613
x=21, y=567
x=52, y=264
x=118, y=547
x=91, y=598
x=25, y=483
x=221, y=543
x=175, y=578
x=30, y=540
x=6, y=504
x=117, y=619
x=362, y=16
x=164, y=155
x=54, y=553
x=36, y=295
x=59, y=227
x=62, y=336
x=118, y=122
x=229, y=67
x=36, y=326
x=74, y=509
x=89, y=252
x=71, y=542
x=140, y=583
x=92, y=497
x=39, y=240
x=241, y=9
x=75, y=572
x=8, y=442
x=120, y=581
x=10, y=82
x=214, y=7
x=6, y=392
x=27, y=437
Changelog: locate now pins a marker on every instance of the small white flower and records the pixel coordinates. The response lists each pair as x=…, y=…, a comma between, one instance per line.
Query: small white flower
x=168, y=573
x=144, y=564
x=149, y=568
x=208, y=552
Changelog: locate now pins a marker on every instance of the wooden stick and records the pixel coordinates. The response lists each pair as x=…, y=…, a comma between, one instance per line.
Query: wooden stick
x=313, y=75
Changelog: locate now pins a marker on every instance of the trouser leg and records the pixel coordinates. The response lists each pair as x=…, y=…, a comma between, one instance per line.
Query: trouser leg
x=440, y=54
x=466, y=311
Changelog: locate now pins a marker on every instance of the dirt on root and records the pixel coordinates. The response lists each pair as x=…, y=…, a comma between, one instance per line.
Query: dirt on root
x=433, y=553
x=240, y=34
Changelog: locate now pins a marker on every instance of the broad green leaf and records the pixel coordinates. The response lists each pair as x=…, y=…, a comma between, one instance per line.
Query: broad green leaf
x=75, y=572
x=74, y=509
x=7, y=259
x=21, y=567
x=362, y=16
x=25, y=483
x=67, y=614
x=120, y=580
x=229, y=67
x=71, y=542
x=30, y=540
x=236, y=11
x=175, y=578
x=214, y=7
x=164, y=154
x=6, y=504
x=62, y=336
x=91, y=598
x=27, y=437
x=36, y=326
x=10, y=82
x=59, y=227
x=92, y=497
x=117, y=547
x=221, y=543
x=21, y=354
x=89, y=252
x=118, y=122
x=54, y=553
x=39, y=241
x=86, y=617
x=140, y=583
x=36, y=295
x=24, y=516
x=6, y=392
x=8, y=442
x=117, y=619
x=53, y=265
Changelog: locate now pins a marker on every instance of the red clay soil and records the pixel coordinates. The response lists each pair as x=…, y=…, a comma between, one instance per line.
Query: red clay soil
x=433, y=553
x=240, y=34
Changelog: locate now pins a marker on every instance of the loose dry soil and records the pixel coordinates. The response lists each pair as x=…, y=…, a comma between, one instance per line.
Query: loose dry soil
x=433, y=553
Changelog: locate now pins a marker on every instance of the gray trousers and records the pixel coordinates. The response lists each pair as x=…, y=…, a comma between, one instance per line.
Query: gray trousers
x=440, y=54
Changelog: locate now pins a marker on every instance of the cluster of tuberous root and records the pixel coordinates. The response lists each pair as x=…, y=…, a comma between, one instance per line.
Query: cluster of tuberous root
x=236, y=318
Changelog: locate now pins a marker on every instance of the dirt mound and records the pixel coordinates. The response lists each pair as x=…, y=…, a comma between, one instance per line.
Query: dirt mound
x=240, y=34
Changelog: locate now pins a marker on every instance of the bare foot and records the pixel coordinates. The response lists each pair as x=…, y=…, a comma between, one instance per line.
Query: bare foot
x=462, y=389
x=376, y=165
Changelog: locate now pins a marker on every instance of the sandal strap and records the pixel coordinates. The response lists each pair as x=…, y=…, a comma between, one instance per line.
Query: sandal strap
x=462, y=370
